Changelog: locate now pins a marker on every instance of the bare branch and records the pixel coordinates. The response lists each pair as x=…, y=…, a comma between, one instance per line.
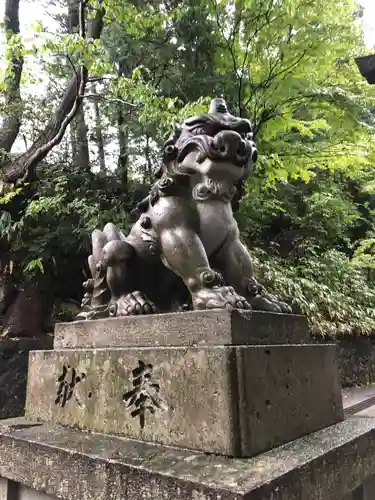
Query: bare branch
x=111, y=100
x=71, y=64
x=94, y=79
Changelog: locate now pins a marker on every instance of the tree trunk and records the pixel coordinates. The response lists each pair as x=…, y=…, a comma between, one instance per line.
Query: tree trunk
x=73, y=16
x=148, y=160
x=123, y=137
x=98, y=131
x=10, y=126
x=23, y=168
x=73, y=142
x=13, y=103
x=26, y=316
x=17, y=307
x=8, y=291
x=82, y=155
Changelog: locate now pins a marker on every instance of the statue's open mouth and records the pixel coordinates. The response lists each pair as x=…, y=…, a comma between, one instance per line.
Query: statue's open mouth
x=201, y=143
x=226, y=146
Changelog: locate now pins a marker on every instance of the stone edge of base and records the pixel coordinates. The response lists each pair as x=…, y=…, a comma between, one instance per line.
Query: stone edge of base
x=67, y=463
x=216, y=326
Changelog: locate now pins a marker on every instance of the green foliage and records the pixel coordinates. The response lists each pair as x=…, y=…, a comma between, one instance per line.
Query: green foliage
x=71, y=207
x=321, y=212
x=289, y=66
x=293, y=70
x=34, y=266
x=334, y=294
x=314, y=245
x=364, y=255
x=6, y=225
x=55, y=226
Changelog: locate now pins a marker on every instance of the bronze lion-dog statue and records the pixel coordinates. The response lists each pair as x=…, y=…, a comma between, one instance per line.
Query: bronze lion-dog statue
x=184, y=251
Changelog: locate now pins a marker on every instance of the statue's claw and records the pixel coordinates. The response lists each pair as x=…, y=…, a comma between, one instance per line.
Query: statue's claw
x=134, y=304
x=219, y=297
x=285, y=308
x=267, y=302
x=261, y=300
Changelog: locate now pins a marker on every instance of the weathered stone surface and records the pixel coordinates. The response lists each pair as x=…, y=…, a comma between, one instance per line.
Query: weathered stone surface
x=286, y=392
x=237, y=401
x=76, y=465
x=356, y=359
x=356, y=356
x=357, y=494
x=9, y=490
x=368, y=489
x=3, y=489
x=218, y=327
x=14, y=358
x=25, y=493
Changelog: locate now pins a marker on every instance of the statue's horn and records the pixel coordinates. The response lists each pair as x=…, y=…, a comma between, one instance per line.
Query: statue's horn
x=218, y=105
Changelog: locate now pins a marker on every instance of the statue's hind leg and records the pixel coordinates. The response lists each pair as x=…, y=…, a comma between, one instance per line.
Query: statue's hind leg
x=121, y=261
x=117, y=254
x=110, y=290
x=235, y=263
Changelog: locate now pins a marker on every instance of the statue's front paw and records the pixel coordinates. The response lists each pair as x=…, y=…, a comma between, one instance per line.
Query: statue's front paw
x=219, y=297
x=266, y=302
x=134, y=304
x=261, y=300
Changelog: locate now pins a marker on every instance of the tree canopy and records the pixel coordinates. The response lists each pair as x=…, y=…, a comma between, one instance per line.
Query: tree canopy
x=86, y=108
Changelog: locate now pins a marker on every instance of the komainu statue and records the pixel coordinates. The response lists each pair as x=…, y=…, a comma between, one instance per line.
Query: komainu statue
x=184, y=251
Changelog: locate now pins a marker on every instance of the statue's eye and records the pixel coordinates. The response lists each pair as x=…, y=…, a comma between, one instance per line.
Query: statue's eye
x=200, y=131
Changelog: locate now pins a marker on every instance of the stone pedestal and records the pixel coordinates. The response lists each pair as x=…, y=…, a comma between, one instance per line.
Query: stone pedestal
x=70, y=464
x=206, y=386
x=168, y=400
x=14, y=360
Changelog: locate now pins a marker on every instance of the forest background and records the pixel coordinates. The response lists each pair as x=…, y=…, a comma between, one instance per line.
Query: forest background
x=89, y=94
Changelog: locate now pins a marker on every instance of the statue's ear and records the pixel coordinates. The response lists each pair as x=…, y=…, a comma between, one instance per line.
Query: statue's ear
x=177, y=129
